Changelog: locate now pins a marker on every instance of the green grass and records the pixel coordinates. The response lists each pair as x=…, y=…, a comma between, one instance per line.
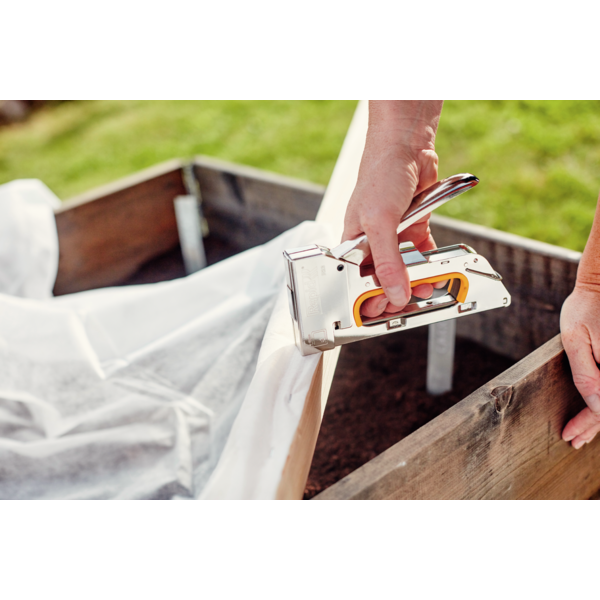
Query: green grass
x=78, y=145
x=538, y=161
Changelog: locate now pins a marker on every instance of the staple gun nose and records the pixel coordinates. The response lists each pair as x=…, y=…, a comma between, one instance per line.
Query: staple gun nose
x=326, y=288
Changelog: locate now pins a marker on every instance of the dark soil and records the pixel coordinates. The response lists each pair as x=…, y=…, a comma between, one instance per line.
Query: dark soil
x=170, y=265
x=378, y=397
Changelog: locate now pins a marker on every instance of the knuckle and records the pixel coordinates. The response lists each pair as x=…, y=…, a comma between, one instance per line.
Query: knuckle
x=388, y=270
x=588, y=383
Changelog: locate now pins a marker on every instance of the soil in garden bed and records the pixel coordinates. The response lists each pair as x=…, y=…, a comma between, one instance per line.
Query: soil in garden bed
x=170, y=265
x=378, y=397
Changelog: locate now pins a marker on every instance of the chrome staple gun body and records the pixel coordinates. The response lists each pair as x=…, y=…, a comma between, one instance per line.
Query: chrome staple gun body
x=326, y=288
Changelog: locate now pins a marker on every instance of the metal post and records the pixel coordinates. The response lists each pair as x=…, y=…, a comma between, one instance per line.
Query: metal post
x=440, y=356
x=191, y=224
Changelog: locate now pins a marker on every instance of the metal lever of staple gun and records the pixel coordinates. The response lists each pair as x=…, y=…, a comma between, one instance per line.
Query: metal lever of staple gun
x=422, y=204
x=326, y=288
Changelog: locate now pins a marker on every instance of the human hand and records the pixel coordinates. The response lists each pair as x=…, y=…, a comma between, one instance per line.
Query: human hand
x=390, y=176
x=580, y=329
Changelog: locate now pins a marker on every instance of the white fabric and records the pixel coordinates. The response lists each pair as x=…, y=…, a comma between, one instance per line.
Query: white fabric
x=28, y=240
x=255, y=454
x=133, y=392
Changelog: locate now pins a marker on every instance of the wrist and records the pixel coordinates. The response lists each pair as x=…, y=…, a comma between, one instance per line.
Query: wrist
x=404, y=126
x=386, y=156
x=587, y=284
x=588, y=271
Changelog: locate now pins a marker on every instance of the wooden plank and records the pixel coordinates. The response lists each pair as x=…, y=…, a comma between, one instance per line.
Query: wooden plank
x=539, y=277
x=107, y=234
x=302, y=449
x=501, y=442
x=331, y=212
x=248, y=206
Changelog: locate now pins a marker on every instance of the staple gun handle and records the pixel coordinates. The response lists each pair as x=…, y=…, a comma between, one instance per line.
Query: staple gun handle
x=461, y=290
x=422, y=204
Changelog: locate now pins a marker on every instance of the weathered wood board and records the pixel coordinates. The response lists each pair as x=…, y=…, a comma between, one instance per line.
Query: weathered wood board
x=107, y=234
x=247, y=206
x=501, y=442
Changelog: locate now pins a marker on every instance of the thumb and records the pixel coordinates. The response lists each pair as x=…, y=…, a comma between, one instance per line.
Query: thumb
x=389, y=266
x=586, y=375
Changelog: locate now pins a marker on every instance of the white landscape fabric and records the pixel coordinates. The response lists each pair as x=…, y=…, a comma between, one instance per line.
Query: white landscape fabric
x=28, y=240
x=134, y=392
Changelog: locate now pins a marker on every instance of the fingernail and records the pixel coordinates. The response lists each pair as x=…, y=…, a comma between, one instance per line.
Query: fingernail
x=593, y=402
x=397, y=295
x=383, y=303
x=578, y=444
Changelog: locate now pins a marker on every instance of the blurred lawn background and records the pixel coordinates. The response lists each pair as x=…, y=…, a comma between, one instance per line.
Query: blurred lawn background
x=538, y=161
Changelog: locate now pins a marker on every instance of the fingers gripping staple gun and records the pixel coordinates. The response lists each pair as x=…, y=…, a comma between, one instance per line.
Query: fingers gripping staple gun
x=326, y=287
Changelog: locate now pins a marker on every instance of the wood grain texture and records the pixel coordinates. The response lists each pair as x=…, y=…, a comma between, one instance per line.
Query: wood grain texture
x=247, y=206
x=501, y=442
x=538, y=276
x=106, y=235
x=302, y=449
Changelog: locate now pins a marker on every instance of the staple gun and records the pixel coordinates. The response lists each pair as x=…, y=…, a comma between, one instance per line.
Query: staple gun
x=326, y=287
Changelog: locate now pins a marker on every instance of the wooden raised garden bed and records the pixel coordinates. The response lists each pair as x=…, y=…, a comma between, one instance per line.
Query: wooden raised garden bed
x=496, y=435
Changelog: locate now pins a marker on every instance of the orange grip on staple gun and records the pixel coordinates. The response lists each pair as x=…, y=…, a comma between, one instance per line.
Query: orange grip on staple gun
x=461, y=296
